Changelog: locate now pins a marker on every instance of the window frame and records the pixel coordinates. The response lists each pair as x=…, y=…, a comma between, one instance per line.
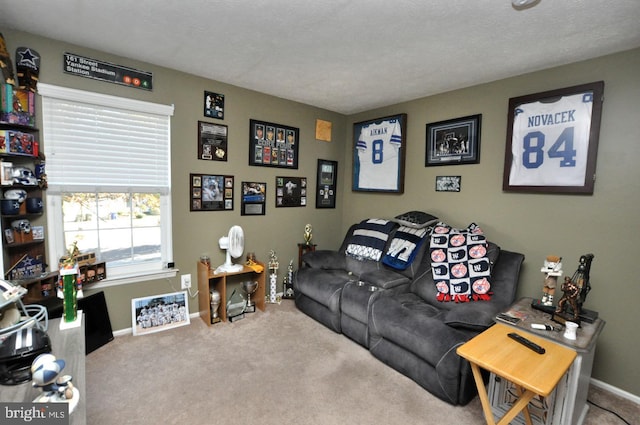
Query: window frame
x=54, y=215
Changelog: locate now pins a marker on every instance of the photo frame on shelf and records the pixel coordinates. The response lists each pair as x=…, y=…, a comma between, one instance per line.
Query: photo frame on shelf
x=273, y=145
x=213, y=105
x=552, y=140
x=210, y=192
x=291, y=191
x=327, y=178
x=212, y=141
x=146, y=312
x=448, y=183
x=254, y=196
x=38, y=233
x=453, y=142
x=379, y=152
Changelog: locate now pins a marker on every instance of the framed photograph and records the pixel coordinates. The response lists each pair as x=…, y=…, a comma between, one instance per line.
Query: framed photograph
x=448, y=183
x=291, y=191
x=326, y=183
x=379, y=151
x=552, y=140
x=38, y=232
x=453, y=142
x=273, y=145
x=212, y=141
x=213, y=105
x=157, y=313
x=6, y=168
x=8, y=236
x=254, y=196
x=211, y=192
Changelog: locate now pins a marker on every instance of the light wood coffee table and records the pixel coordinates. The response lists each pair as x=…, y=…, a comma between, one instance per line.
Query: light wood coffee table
x=532, y=373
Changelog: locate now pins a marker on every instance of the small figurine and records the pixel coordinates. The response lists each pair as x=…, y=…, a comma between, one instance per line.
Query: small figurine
x=45, y=372
x=307, y=234
x=570, y=295
x=552, y=269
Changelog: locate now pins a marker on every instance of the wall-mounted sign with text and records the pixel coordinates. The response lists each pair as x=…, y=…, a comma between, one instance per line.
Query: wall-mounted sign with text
x=105, y=71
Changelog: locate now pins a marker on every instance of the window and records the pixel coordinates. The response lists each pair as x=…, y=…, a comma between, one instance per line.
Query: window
x=109, y=179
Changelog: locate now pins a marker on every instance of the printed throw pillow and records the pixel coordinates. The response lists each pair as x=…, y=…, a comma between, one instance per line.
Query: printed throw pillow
x=404, y=246
x=461, y=268
x=369, y=238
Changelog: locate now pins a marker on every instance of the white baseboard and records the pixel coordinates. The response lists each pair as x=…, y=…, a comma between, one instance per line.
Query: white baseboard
x=129, y=331
x=615, y=390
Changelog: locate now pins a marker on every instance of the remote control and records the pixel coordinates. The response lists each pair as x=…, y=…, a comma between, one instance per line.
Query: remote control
x=527, y=343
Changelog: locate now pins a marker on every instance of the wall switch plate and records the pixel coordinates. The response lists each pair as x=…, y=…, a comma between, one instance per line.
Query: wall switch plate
x=185, y=280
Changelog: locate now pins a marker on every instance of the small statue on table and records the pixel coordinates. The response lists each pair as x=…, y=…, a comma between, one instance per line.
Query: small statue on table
x=575, y=291
x=570, y=295
x=552, y=269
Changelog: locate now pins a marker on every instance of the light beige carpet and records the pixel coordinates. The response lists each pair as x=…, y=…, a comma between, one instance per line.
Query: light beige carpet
x=274, y=367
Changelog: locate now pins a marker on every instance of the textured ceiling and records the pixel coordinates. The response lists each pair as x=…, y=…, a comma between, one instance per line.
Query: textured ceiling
x=347, y=56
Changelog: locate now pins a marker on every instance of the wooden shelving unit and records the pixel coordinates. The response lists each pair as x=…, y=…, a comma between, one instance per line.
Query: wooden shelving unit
x=207, y=281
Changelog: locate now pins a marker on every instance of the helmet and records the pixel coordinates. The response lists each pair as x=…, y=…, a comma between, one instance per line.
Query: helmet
x=23, y=175
x=22, y=225
x=16, y=194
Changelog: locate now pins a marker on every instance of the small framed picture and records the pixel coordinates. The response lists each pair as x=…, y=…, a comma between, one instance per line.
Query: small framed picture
x=8, y=236
x=6, y=169
x=213, y=105
x=326, y=184
x=254, y=196
x=448, y=183
x=212, y=141
x=453, y=142
x=38, y=232
x=291, y=191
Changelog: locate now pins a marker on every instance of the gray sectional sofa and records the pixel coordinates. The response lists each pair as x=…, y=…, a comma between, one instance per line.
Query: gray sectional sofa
x=388, y=301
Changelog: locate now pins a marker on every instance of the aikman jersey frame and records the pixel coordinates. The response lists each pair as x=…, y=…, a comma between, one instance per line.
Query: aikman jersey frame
x=379, y=152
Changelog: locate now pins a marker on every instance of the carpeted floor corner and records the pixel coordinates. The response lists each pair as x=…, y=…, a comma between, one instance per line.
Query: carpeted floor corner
x=273, y=367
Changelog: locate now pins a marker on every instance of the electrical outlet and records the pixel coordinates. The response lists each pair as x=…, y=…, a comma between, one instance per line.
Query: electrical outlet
x=185, y=279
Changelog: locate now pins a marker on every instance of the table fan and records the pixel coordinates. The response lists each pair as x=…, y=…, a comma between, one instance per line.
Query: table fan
x=234, y=244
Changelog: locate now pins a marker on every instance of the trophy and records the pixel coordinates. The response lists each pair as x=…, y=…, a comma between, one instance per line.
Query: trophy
x=215, y=303
x=250, y=286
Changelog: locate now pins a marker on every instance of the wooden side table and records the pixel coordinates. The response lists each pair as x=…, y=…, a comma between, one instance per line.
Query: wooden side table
x=303, y=248
x=532, y=373
x=568, y=404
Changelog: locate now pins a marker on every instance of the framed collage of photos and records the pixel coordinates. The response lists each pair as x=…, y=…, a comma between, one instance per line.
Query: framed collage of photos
x=326, y=183
x=254, y=196
x=291, y=191
x=552, y=140
x=273, y=145
x=212, y=141
x=453, y=142
x=211, y=192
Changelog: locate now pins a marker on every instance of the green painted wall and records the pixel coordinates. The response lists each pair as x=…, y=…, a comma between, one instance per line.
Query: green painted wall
x=534, y=224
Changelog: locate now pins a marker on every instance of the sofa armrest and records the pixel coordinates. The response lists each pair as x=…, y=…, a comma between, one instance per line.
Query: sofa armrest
x=384, y=279
x=325, y=259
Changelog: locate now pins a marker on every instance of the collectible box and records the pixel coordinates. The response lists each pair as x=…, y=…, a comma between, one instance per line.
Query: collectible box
x=17, y=142
x=17, y=106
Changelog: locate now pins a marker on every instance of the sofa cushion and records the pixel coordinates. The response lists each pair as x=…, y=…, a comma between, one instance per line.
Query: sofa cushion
x=415, y=219
x=322, y=286
x=460, y=264
x=324, y=259
x=369, y=239
x=404, y=246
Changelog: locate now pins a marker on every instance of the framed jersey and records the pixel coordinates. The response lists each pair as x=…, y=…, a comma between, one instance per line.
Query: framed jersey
x=379, y=150
x=552, y=140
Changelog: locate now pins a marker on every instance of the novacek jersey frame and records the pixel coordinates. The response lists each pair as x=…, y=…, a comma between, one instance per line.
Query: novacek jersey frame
x=552, y=140
x=379, y=151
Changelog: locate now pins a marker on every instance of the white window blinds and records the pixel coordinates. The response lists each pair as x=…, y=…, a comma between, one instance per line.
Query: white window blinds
x=105, y=143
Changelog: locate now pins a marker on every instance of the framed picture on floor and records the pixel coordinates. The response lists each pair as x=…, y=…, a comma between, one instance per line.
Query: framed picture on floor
x=157, y=313
x=552, y=140
x=379, y=150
